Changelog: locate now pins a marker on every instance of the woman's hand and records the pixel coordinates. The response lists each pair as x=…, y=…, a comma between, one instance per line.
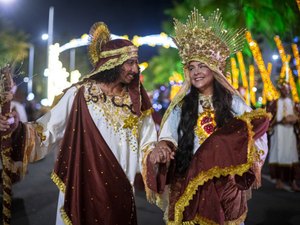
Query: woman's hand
x=162, y=153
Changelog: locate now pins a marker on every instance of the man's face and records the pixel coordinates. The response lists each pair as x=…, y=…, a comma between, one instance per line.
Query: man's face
x=129, y=70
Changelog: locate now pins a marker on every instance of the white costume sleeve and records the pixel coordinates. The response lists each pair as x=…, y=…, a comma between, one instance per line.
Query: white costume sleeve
x=53, y=125
x=169, y=129
x=147, y=137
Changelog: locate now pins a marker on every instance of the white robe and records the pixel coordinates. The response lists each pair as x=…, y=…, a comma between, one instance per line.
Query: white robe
x=283, y=149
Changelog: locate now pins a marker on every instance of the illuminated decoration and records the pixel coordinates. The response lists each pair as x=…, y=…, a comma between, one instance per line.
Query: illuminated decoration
x=252, y=87
x=234, y=73
x=176, y=81
x=75, y=76
x=143, y=66
x=244, y=77
x=298, y=3
x=286, y=72
x=285, y=58
x=293, y=86
x=57, y=75
x=270, y=91
x=297, y=60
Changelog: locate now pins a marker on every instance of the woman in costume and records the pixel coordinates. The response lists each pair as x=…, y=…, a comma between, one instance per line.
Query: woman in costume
x=211, y=146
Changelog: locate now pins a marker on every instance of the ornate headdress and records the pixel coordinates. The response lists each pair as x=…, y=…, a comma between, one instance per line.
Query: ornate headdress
x=105, y=53
x=206, y=41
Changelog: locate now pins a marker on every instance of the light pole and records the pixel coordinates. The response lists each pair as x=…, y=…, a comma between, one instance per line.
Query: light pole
x=50, y=31
x=30, y=69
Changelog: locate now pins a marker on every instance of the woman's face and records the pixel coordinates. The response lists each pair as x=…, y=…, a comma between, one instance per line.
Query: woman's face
x=201, y=77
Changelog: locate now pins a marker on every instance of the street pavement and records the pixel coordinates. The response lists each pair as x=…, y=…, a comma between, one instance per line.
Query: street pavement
x=35, y=198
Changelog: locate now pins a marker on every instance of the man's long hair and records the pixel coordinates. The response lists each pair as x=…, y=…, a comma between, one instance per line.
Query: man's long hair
x=108, y=76
x=222, y=100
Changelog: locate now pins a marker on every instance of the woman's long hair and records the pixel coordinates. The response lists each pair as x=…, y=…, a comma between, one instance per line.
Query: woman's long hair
x=222, y=100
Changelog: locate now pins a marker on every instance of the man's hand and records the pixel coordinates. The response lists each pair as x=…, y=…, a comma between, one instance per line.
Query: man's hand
x=162, y=153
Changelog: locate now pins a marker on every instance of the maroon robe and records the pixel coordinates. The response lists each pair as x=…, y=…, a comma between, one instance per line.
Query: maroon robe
x=213, y=190
x=96, y=188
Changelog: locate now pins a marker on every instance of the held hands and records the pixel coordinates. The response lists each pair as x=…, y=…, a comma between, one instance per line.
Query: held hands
x=162, y=153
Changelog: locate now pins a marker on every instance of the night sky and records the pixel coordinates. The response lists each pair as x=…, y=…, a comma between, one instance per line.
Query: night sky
x=73, y=18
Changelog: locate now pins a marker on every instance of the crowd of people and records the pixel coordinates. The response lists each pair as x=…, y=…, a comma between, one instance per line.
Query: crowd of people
x=199, y=165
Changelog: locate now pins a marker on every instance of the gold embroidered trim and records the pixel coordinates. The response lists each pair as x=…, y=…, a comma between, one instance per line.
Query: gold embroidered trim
x=6, y=136
x=65, y=217
x=203, y=177
x=131, y=122
x=127, y=49
x=149, y=193
x=111, y=63
x=59, y=183
x=39, y=131
x=238, y=221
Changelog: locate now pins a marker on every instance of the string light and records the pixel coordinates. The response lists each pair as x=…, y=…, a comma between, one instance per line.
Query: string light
x=234, y=73
x=252, y=85
x=297, y=60
x=270, y=91
x=244, y=77
x=286, y=72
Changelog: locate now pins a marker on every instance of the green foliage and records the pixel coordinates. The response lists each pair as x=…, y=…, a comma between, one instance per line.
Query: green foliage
x=264, y=19
x=161, y=68
x=13, y=45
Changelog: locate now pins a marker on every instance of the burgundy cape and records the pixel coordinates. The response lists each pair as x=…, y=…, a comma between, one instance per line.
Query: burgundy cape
x=96, y=188
x=207, y=194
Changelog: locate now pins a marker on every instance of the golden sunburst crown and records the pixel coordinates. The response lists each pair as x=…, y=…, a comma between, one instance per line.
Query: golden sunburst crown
x=207, y=40
x=99, y=35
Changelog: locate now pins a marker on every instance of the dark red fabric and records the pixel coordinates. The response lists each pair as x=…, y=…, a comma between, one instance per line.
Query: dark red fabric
x=138, y=96
x=97, y=189
x=219, y=199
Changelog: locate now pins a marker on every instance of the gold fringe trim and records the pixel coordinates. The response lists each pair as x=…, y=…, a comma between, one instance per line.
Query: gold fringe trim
x=203, y=177
x=65, y=217
x=59, y=183
x=238, y=221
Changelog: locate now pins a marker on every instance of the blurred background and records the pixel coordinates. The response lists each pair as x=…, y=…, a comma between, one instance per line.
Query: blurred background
x=46, y=40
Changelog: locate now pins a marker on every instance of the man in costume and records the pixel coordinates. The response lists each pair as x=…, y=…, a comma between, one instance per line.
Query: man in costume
x=283, y=158
x=211, y=145
x=100, y=128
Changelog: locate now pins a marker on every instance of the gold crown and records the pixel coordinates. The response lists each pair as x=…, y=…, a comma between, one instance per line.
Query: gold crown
x=207, y=40
x=99, y=36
